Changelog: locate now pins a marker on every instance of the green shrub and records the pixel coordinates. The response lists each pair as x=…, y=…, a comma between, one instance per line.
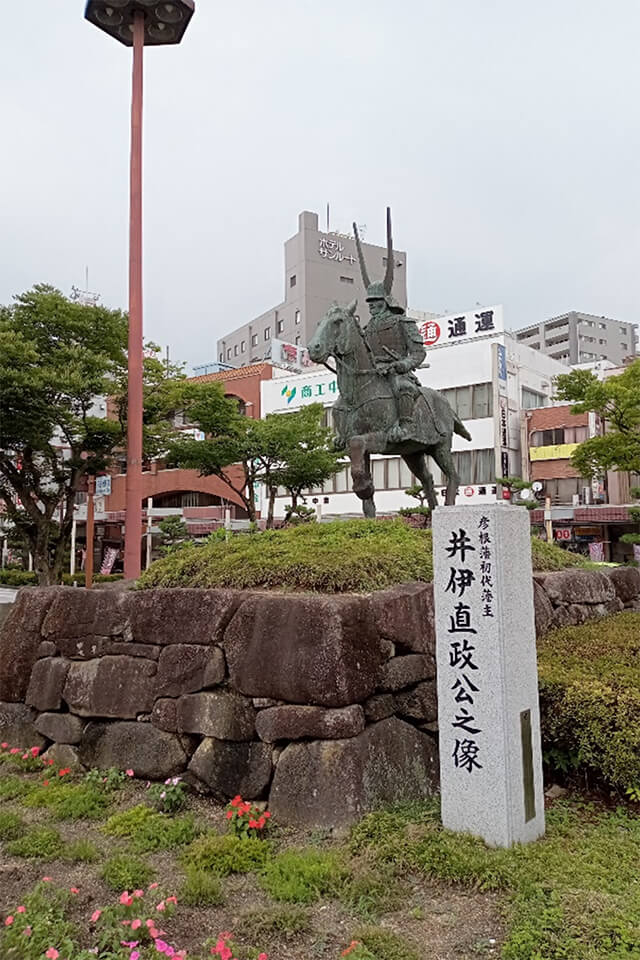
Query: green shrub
x=126, y=872
x=11, y=826
x=26, y=578
x=226, y=854
x=590, y=698
x=343, y=556
x=44, y=915
x=149, y=831
x=70, y=801
x=80, y=851
x=547, y=557
x=201, y=888
x=38, y=843
x=287, y=921
x=302, y=876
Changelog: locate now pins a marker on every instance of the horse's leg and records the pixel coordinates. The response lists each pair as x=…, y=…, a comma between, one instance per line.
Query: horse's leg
x=417, y=463
x=361, y=468
x=443, y=456
x=368, y=504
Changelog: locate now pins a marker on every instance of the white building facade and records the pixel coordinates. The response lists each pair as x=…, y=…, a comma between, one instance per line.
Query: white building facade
x=487, y=376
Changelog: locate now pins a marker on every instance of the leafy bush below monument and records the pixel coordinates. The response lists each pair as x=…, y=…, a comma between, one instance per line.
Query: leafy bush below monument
x=339, y=557
x=590, y=699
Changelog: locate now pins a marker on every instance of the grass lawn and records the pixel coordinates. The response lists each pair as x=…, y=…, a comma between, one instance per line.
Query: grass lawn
x=343, y=556
x=398, y=885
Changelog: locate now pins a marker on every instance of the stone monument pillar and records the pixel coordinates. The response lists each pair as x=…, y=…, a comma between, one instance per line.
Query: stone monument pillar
x=488, y=714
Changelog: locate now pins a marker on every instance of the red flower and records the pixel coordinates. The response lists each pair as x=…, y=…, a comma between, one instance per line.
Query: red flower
x=229, y=814
x=237, y=800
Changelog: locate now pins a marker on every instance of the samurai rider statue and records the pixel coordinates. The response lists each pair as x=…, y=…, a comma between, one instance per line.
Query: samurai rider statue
x=394, y=340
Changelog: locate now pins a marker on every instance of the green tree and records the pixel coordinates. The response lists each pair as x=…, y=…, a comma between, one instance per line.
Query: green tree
x=283, y=450
x=416, y=491
x=56, y=359
x=174, y=533
x=617, y=402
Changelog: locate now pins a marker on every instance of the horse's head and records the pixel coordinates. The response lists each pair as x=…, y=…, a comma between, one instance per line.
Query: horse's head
x=331, y=337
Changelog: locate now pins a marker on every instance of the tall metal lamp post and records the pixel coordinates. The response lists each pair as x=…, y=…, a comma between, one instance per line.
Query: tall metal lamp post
x=137, y=23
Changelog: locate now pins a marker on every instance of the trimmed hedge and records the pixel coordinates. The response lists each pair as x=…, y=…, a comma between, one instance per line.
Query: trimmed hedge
x=590, y=699
x=26, y=578
x=339, y=557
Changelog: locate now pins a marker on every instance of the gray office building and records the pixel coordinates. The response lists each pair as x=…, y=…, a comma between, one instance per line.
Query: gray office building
x=319, y=269
x=582, y=337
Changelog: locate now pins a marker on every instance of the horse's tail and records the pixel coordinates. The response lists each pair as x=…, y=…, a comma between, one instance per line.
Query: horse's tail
x=459, y=428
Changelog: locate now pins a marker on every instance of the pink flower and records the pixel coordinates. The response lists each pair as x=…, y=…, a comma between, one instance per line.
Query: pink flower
x=135, y=955
x=14, y=750
x=73, y=890
x=161, y=946
x=27, y=931
x=138, y=893
x=34, y=751
x=129, y=943
x=4, y=745
x=263, y=956
x=150, y=923
x=125, y=899
x=154, y=933
x=8, y=921
x=52, y=954
x=136, y=923
x=21, y=910
x=46, y=879
x=153, y=886
x=161, y=906
x=171, y=900
x=95, y=916
x=130, y=773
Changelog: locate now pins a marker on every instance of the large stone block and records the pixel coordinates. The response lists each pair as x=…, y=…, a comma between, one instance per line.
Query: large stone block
x=626, y=582
x=543, y=609
x=228, y=769
x=165, y=715
x=165, y=616
x=304, y=648
x=219, y=714
x=120, y=687
x=401, y=672
x=404, y=615
x=314, y=723
x=187, y=668
x=577, y=587
x=60, y=727
x=85, y=614
x=152, y=754
x=332, y=783
x=20, y=639
x=83, y=648
x=63, y=755
x=420, y=704
x=17, y=726
x=379, y=707
x=47, y=682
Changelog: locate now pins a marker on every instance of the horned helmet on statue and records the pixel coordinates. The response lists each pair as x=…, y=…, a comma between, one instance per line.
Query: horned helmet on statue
x=394, y=339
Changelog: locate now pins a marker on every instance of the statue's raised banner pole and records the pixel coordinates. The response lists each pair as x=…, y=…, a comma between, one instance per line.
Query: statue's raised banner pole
x=488, y=713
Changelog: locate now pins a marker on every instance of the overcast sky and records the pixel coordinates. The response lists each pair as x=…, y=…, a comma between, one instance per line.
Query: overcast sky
x=504, y=133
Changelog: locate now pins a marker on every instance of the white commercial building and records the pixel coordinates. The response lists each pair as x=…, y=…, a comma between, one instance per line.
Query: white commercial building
x=487, y=376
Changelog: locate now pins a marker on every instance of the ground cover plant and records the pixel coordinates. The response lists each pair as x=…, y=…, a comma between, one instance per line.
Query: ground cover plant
x=343, y=556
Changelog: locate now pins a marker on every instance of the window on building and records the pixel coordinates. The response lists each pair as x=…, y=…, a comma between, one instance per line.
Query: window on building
x=293, y=280
x=484, y=466
x=602, y=342
x=346, y=279
x=243, y=346
x=602, y=326
x=280, y=326
x=254, y=340
x=463, y=402
x=623, y=346
x=229, y=354
x=464, y=464
x=481, y=402
x=267, y=333
x=547, y=438
x=297, y=317
x=235, y=350
x=378, y=470
x=531, y=399
x=297, y=341
x=221, y=358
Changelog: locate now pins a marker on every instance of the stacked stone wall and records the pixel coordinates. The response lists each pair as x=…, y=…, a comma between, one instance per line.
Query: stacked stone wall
x=325, y=706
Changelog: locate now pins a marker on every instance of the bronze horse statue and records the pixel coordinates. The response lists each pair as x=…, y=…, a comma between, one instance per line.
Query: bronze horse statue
x=366, y=413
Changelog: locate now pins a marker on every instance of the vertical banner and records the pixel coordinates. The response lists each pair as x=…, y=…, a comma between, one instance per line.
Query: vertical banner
x=488, y=713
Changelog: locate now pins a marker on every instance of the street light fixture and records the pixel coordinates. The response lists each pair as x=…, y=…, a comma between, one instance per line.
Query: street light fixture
x=137, y=23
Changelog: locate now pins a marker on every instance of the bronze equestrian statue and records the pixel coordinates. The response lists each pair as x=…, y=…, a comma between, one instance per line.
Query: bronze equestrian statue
x=382, y=407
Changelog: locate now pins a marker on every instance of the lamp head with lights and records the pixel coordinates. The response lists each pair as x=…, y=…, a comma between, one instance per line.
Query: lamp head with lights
x=165, y=22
